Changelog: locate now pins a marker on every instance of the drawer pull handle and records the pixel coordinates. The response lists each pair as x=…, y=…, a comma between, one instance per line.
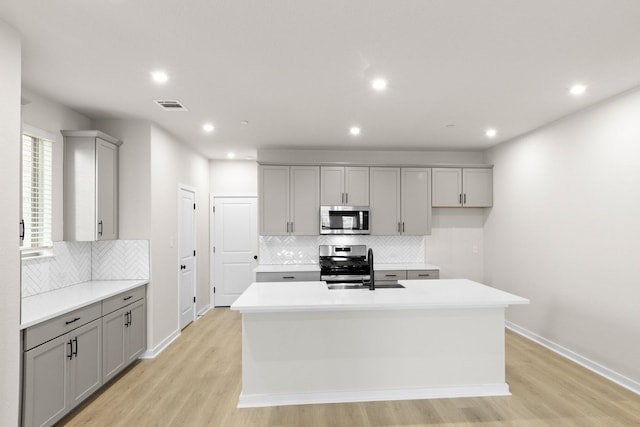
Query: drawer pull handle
x=288, y=277
x=424, y=275
x=68, y=322
x=128, y=298
x=390, y=275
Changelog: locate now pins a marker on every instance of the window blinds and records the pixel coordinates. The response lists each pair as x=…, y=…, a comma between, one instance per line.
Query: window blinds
x=36, y=192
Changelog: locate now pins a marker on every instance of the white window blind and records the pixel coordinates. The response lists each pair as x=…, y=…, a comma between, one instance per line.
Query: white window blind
x=36, y=192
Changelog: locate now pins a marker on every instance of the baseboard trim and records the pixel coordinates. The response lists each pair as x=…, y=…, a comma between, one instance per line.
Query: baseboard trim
x=285, y=399
x=152, y=353
x=203, y=311
x=603, y=371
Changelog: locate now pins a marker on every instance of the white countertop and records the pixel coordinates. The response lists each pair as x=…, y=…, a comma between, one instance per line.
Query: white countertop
x=38, y=308
x=283, y=268
x=271, y=297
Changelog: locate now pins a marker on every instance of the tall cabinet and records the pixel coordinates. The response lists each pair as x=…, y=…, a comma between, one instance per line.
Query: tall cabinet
x=90, y=185
x=289, y=200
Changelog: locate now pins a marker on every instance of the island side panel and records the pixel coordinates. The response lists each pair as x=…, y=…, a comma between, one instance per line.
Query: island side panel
x=372, y=351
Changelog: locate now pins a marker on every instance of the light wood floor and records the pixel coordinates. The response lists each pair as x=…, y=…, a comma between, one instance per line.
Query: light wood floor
x=197, y=381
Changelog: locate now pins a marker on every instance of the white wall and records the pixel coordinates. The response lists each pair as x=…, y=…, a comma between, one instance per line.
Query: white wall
x=53, y=117
x=134, y=163
x=370, y=157
x=173, y=163
x=10, y=81
x=564, y=232
x=233, y=177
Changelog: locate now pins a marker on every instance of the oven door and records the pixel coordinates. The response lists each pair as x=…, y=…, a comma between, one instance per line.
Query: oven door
x=350, y=279
x=344, y=220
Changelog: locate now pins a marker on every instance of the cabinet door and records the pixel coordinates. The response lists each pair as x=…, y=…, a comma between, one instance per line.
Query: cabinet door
x=135, y=332
x=305, y=200
x=85, y=368
x=274, y=200
x=477, y=187
x=447, y=187
x=107, y=190
x=385, y=201
x=332, y=186
x=113, y=358
x=45, y=382
x=416, y=201
x=356, y=186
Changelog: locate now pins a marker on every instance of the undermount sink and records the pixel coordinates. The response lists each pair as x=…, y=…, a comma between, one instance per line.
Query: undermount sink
x=359, y=286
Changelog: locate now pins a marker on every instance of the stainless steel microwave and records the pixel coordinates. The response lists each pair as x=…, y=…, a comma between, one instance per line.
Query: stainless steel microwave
x=344, y=220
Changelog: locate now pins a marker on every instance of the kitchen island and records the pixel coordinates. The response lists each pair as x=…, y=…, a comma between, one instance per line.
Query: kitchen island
x=303, y=343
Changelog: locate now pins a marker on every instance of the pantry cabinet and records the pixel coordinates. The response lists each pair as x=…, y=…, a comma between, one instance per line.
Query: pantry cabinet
x=90, y=186
x=289, y=200
x=462, y=187
x=344, y=186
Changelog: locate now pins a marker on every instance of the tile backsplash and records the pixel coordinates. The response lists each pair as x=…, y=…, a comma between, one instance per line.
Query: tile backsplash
x=304, y=249
x=76, y=262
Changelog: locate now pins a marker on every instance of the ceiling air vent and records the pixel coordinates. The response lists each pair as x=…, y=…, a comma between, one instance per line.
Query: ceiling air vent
x=170, y=105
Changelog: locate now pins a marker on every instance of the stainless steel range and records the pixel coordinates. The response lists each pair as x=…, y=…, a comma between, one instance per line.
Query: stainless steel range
x=344, y=264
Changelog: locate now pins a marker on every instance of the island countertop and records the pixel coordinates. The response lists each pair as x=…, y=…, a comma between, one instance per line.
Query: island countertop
x=273, y=297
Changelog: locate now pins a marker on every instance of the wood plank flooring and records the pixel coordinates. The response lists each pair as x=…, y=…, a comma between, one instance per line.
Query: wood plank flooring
x=197, y=381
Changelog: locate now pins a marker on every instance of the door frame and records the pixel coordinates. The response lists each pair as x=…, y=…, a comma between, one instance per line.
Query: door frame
x=190, y=189
x=212, y=230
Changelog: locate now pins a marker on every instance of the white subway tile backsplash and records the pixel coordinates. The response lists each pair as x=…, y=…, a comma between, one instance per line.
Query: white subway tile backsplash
x=120, y=259
x=304, y=249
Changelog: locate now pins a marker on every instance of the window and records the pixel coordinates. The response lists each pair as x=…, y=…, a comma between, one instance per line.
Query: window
x=36, y=194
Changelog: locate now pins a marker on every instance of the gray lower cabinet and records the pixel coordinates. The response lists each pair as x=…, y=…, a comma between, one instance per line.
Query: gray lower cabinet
x=123, y=338
x=61, y=373
x=383, y=277
x=288, y=276
x=69, y=357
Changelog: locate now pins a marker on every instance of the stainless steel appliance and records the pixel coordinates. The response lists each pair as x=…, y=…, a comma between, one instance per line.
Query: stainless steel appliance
x=344, y=220
x=345, y=264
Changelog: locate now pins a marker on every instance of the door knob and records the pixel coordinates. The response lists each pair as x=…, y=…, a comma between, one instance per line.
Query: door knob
x=255, y=257
x=182, y=267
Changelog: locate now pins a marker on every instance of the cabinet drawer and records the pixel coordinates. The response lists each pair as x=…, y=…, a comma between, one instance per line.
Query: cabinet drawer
x=298, y=276
x=45, y=331
x=422, y=274
x=118, y=301
x=390, y=275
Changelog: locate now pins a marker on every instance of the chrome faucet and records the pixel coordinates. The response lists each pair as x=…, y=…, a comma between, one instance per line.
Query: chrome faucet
x=372, y=284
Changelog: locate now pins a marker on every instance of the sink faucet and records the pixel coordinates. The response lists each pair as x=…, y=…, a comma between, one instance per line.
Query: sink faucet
x=372, y=284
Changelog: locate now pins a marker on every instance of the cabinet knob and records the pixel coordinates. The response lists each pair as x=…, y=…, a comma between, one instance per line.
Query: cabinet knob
x=182, y=267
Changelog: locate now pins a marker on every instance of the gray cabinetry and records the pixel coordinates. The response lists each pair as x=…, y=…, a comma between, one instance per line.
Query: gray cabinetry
x=385, y=201
x=124, y=332
x=61, y=372
x=90, y=186
x=423, y=274
x=288, y=276
x=415, y=201
x=462, y=187
x=344, y=186
x=289, y=200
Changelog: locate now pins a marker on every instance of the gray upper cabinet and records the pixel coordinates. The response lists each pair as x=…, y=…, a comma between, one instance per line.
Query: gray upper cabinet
x=416, y=201
x=462, y=187
x=289, y=200
x=344, y=186
x=90, y=186
x=385, y=201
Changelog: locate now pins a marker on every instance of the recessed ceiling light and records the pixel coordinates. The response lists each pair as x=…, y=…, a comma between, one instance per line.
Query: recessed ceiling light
x=379, y=84
x=355, y=130
x=491, y=132
x=231, y=155
x=244, y=122
x=160, y=76
x=578, y=89
x=208, y=127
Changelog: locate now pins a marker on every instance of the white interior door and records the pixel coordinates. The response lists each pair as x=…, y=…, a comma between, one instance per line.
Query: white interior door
x=186, y=254
x=235, y=250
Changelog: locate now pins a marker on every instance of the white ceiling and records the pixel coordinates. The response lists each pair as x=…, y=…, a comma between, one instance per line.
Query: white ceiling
x=299, y=70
